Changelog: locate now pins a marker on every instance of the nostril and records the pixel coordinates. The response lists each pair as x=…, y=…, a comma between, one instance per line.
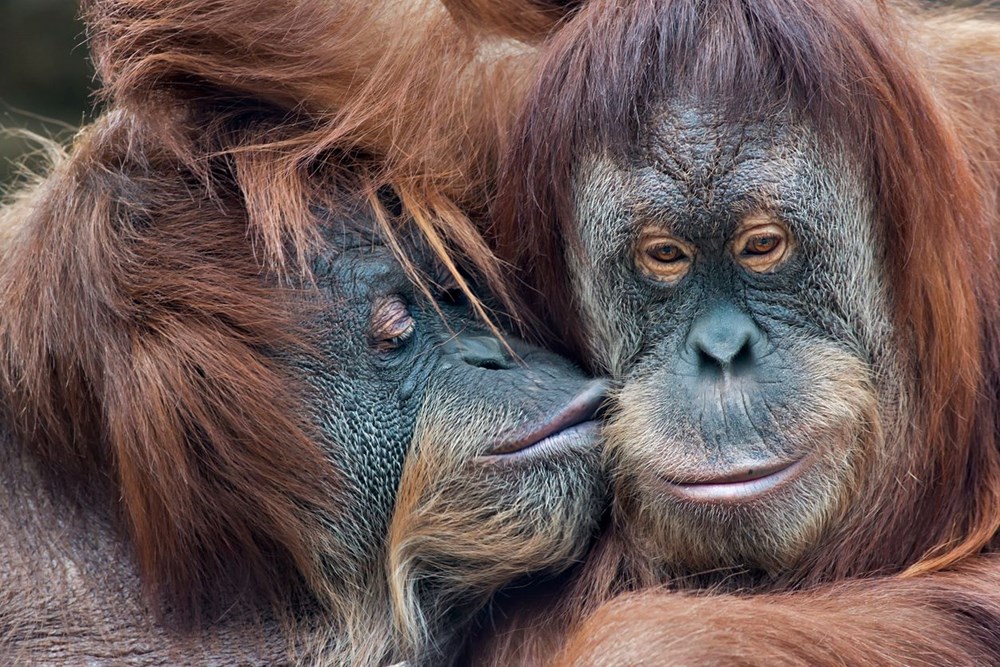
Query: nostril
x=490, y=364
x=723, y=340
x=744, y=357
x=484, y=352
x=728, y=349
x=708, y=364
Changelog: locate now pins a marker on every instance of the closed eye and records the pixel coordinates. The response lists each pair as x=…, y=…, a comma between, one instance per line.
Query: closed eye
x=392, y=325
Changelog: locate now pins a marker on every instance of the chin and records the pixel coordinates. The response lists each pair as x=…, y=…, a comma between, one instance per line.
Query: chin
x=759, y=525
x=690, y=504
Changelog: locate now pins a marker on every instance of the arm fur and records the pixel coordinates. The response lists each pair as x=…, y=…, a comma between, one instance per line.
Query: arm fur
x=948, y=618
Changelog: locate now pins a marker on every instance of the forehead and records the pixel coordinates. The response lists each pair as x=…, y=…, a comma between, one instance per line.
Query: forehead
x=694, y=168
x=356, y=248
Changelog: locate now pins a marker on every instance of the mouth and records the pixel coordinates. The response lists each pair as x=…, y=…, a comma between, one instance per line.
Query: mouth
x=741, y=485
x=571, y=426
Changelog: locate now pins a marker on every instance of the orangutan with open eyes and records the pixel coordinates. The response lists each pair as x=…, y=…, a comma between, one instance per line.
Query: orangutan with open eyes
x=775, y=225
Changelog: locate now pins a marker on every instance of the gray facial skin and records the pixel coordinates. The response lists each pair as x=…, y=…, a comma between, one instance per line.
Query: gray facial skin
x=465, y=466
x=458, y=468
x=745, y=392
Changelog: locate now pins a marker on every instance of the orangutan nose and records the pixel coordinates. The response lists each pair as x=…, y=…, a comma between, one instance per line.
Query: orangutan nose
x=722, y=341
x=480, y=351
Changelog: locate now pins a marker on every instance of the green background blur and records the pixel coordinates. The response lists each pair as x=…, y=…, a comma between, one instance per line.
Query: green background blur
x=45, y=75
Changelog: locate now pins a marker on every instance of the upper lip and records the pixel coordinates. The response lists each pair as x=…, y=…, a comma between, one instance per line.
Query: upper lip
x=583, y=407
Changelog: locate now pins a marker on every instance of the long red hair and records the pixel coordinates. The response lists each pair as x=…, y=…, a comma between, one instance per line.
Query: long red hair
x=848, y=70
x=144, y=282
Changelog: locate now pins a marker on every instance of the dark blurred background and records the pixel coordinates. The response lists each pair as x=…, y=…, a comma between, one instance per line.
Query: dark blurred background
x=45, y=75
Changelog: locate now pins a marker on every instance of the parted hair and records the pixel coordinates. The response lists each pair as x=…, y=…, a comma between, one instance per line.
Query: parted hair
x=912, y=97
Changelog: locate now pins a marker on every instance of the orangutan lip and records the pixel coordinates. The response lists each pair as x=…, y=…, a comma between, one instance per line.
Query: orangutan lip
x=569, y=423
x=578, y=438
x=738, y=486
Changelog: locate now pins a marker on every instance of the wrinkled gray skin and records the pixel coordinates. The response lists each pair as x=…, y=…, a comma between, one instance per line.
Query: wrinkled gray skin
x=457, y=383
x=375, y=398
x=69, y=589
x=729, y=370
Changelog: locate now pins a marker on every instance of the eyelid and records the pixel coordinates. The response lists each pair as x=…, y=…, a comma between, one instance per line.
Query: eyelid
x=670, y=271
x=762, y=262
x=391, y=322
x=762, y=235
x=681, y=255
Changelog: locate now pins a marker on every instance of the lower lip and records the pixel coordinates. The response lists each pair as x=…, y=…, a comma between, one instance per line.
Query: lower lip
x=737, y=492
x=579, y=437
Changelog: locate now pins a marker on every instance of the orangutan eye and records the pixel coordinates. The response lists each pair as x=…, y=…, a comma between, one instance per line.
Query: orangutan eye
x=762, y=245
x=665, y=252
x=664, y=258
x=391, y=324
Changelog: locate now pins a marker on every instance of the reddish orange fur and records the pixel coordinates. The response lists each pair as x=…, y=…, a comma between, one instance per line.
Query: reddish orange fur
x=915, y=96
x=915, y=622
x=401, y=82
x=135, y=344
x=529, y=20
x=142, y=281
